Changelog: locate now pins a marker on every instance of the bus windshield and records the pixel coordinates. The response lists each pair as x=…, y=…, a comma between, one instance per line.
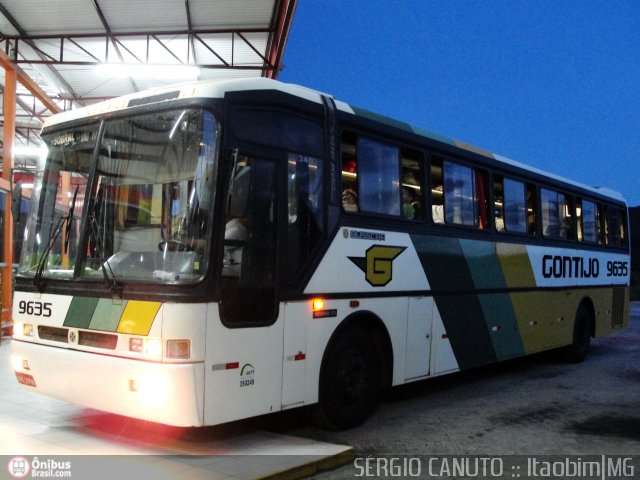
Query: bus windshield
x=129, y=200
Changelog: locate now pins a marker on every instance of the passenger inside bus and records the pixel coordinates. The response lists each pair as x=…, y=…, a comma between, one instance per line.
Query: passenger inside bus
x=408, y=203
x=349, y=200
x=236, y=231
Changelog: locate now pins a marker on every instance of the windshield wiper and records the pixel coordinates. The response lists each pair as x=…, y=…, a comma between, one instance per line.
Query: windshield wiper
x=109, y=275
x=38, y=278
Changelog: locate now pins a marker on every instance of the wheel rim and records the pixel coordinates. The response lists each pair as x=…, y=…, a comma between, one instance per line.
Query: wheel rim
x=352, y=377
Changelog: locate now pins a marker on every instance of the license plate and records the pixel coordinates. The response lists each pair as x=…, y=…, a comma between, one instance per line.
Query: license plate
x=25, y=379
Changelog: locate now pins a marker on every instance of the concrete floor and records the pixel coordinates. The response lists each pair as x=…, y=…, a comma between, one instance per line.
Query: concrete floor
x=102, y=445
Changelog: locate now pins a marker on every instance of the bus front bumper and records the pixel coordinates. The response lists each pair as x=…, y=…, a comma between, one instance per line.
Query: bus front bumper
x=159, y=392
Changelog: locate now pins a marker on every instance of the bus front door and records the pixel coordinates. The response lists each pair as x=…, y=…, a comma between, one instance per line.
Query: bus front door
x=244, y=339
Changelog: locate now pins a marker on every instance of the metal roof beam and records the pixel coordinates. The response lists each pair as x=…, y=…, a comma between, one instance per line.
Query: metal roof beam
x=107, y=28
x=28, y=83
x=23, y=35
x=283, y=18
x=168, y=49
x=119, y=40
x=204, y=44
x=191, y=49
x=30, y=109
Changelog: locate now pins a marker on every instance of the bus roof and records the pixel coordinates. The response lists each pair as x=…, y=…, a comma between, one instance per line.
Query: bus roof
x=218, y=89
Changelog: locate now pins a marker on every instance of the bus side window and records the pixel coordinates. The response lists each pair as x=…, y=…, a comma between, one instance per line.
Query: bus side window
x=498, y=202
x=349, y=173
x=510, y=205
x=567, y=227
x=378, y=177
x=615, y=234
x=437, y=191
x=532, y=209
x=411, y=185
x=586, y=221
x=557, y=215
x=601, y=223
x=370, y=176
x=461, y=192
x=305, y=212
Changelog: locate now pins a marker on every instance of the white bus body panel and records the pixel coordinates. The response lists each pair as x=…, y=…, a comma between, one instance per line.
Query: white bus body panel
x=243, y=376
x=443, y=360
x=405, y=272
x=168, y=393
x=419, y=326
x=295, y=356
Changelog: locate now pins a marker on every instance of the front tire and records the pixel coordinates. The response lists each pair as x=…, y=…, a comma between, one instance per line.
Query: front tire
x=349, y=382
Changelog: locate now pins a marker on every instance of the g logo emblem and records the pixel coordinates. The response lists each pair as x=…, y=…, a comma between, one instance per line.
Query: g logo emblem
x=378, y=264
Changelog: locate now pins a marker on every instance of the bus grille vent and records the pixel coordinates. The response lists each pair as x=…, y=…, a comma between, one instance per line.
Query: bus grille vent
x=617, y=308
x=54, y=334
x=99, y=340
x=88, y=339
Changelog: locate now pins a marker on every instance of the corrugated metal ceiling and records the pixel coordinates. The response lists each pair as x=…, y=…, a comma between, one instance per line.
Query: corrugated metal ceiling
x=58, y=43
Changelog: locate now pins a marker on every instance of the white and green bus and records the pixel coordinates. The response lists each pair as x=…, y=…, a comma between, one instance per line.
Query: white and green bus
x=233, y=248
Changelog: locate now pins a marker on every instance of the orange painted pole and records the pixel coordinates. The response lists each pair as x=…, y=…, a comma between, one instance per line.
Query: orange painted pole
x=7, y=166
x=28, y=83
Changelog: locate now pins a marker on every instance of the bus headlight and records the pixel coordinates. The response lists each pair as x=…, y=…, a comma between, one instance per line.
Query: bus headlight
x=178, y=349
x=21, y=329
x=150, y=346
x=153, y=347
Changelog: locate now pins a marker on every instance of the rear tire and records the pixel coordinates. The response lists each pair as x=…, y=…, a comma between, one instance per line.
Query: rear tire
x=349, y=382
x=577, y=351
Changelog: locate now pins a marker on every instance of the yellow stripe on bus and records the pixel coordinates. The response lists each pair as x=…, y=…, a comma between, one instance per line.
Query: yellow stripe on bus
x=137, y=317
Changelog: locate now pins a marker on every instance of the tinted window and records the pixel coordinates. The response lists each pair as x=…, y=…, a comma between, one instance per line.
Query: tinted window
x=615, y=227
x=378, y=178
x=557, y=212
x=587, y=224
x=279, y=130
x=515, y=216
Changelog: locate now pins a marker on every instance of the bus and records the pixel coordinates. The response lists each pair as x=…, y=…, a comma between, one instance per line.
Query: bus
x=234, y=248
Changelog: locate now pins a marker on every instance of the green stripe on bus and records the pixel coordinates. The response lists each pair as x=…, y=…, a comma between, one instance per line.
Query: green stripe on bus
x=381, y=118
x=447, y=270
x=503, y=327
x=80, y=312
x=473, y=149
x=107, y=315
x=499, y=314
x=464, y=323
x=411, y=128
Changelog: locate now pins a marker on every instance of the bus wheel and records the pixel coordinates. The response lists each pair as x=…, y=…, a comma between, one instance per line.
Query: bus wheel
x=349, y=382
x=577, y=351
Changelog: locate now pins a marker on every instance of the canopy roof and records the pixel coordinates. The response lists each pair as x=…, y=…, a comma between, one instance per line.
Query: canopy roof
x=58, y=44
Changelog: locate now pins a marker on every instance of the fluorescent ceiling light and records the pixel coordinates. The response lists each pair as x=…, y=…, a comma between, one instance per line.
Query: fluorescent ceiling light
x=31, y=151
x=179, y=72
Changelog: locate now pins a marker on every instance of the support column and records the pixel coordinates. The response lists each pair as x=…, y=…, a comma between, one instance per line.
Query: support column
x=7, y=167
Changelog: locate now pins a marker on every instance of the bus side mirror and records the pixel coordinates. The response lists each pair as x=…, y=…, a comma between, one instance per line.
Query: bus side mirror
x=240, y=195
x=16, y=198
